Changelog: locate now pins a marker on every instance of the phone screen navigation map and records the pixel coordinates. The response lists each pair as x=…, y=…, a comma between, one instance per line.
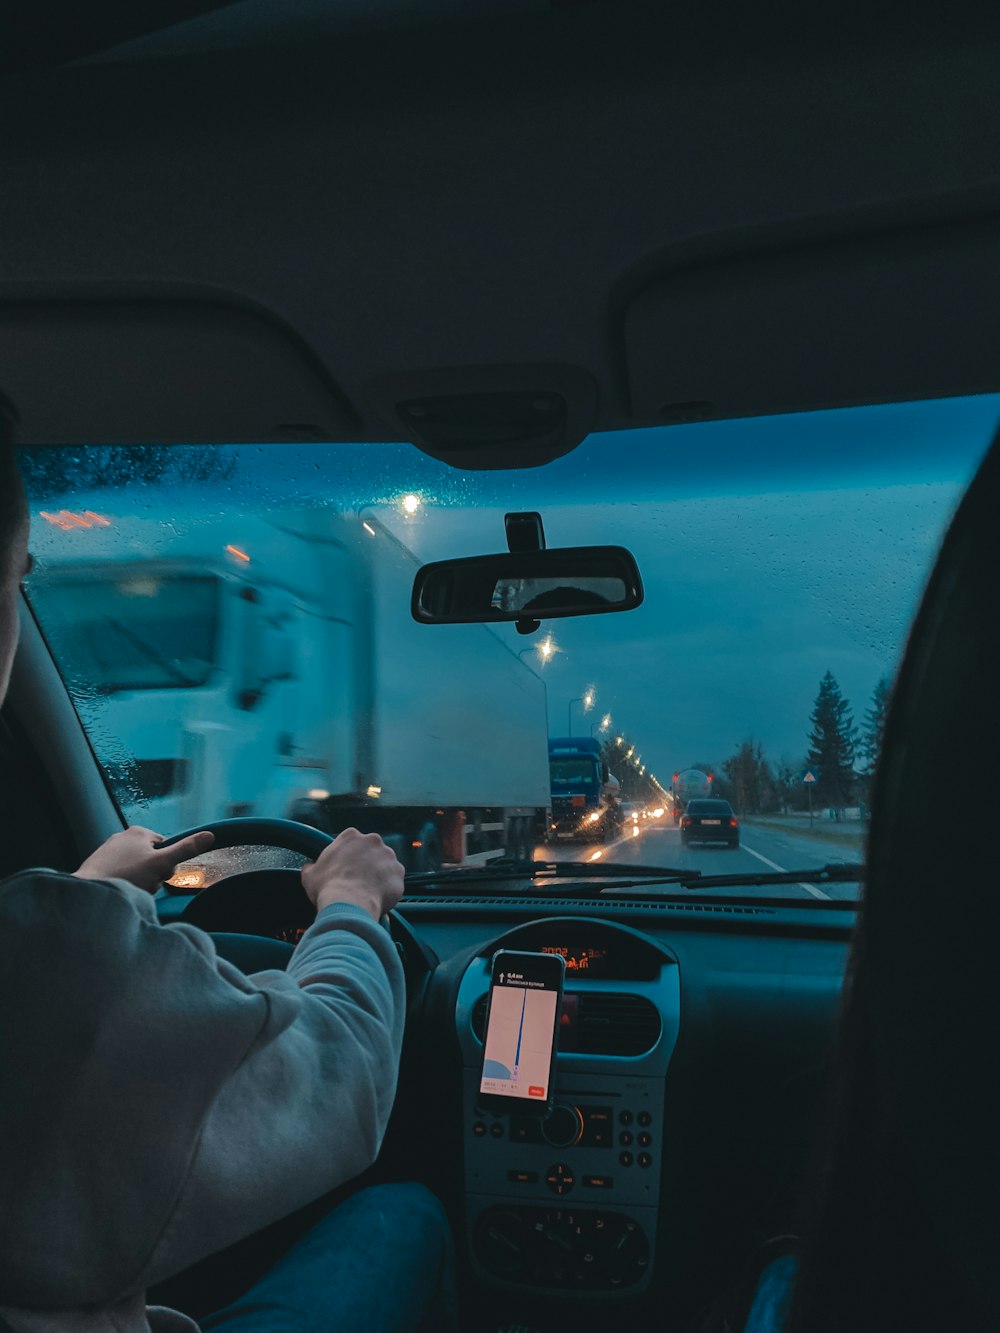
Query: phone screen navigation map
x=519, y=1039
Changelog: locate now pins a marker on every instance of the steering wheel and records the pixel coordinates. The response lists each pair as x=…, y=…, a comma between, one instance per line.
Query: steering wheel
x=271, y=905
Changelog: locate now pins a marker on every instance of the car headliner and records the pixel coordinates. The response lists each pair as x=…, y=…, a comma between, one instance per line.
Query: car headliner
x=231, y=232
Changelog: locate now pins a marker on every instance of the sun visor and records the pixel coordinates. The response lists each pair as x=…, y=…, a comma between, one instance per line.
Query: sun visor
x=880, y=318
x=163, y=371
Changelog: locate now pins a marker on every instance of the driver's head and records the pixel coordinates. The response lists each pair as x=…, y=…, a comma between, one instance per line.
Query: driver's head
x=14, y=559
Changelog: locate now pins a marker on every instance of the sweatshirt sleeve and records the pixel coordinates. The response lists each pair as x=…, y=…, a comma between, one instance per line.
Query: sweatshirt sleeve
x=158, y=1105
x=308, y=1106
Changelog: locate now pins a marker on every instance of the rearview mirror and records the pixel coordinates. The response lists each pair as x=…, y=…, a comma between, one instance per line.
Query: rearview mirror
x=527, y=585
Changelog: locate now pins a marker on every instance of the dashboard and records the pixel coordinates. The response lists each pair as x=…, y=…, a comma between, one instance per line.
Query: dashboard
x=689, y=1079
x=689, y=1082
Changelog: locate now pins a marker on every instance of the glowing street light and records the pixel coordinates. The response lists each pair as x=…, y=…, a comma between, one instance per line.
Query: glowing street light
x=547, y=649
x=601, y=726
x=588, y=698
x=410, y=504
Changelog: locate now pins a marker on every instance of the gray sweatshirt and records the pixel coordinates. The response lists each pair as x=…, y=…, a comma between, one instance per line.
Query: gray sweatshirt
x=157, y=1105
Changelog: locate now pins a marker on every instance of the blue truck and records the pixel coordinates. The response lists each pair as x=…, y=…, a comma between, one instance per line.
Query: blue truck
x=585, y=796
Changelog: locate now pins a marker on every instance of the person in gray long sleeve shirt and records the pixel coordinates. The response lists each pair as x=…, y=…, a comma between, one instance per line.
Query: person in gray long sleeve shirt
x=157, y=1105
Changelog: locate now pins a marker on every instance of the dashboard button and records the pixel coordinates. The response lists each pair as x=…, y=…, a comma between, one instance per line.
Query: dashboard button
x=479, y=1129
x=625, y=1158
x=625, y=1138
x=644, y=1159
x=645, y=1118
x=599, y=1183
x=560, y=1178
x=598, y=1126
x=645, y=1140
x=625, y=1117
x=525, y=1129
x=496, y=1129
x=522, y=1177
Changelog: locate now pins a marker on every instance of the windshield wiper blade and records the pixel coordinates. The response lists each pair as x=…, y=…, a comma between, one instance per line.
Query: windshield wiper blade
x=504, y=868
x=836, y=872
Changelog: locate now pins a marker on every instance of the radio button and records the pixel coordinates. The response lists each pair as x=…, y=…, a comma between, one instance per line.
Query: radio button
x=598, y=1127
x=645, y=1140
x=644, y=1159
x=625, y=1158
x=625, y=1117
x=524, y=1129
x=522, y=1177
x=625, y=1138
x=599, y=1183
x=479, y=1129
x=645, y=1118
x=496, y=1129
x=560, y=1178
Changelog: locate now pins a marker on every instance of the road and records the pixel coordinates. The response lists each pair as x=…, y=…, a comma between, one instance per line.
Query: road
x=658, y=843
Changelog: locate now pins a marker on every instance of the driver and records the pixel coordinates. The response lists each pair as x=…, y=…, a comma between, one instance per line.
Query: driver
x=157, y=1105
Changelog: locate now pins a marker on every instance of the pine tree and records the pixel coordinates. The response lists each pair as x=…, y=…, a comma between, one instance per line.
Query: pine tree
x=874, y=725
x=832, y=744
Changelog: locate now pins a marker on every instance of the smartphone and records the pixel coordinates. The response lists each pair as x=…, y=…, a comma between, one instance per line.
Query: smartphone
x=522, y=1030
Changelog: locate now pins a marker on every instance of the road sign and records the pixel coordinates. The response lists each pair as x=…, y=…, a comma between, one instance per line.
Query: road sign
x=808, y=777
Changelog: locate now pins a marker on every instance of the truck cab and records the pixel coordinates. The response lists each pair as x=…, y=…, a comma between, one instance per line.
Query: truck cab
x=584, y=795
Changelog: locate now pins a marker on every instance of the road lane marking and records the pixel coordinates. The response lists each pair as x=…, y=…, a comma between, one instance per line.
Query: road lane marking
x=809, y=888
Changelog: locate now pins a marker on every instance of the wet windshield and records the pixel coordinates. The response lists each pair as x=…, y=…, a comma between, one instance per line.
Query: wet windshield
x=234, y=626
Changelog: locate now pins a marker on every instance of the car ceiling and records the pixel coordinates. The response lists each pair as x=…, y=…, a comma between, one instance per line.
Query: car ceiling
x=297, y=221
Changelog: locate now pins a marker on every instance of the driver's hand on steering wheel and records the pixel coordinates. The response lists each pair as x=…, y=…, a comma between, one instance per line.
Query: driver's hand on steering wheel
x=356, y=868
x=133, y=855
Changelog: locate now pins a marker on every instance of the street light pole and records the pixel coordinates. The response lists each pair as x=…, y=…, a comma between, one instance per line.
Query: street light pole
x=545, y=688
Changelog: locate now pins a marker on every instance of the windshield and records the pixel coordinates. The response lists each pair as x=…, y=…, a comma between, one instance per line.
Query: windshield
x=573, y=773
x=234, y=625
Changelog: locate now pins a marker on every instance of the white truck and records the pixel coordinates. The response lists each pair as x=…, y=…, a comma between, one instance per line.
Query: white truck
x=240, y=665
x=688, y=785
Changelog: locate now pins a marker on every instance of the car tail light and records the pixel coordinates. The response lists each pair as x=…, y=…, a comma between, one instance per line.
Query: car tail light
x=686, y=822
x=734, y=822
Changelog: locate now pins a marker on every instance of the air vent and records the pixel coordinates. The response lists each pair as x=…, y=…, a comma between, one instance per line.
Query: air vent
x=604, y=1024
x=569, y=905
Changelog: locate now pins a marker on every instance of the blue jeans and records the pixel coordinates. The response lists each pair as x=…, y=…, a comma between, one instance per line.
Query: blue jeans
x=381, y=1262
x=769, y=1311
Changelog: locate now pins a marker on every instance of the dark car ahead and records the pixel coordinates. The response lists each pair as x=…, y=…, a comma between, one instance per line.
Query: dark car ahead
x=710, y=821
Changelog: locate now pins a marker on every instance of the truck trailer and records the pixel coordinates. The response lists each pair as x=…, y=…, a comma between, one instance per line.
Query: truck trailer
x=243, y=665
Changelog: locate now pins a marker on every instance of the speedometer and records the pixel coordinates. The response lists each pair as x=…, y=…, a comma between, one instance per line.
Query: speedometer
x=586, y=959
